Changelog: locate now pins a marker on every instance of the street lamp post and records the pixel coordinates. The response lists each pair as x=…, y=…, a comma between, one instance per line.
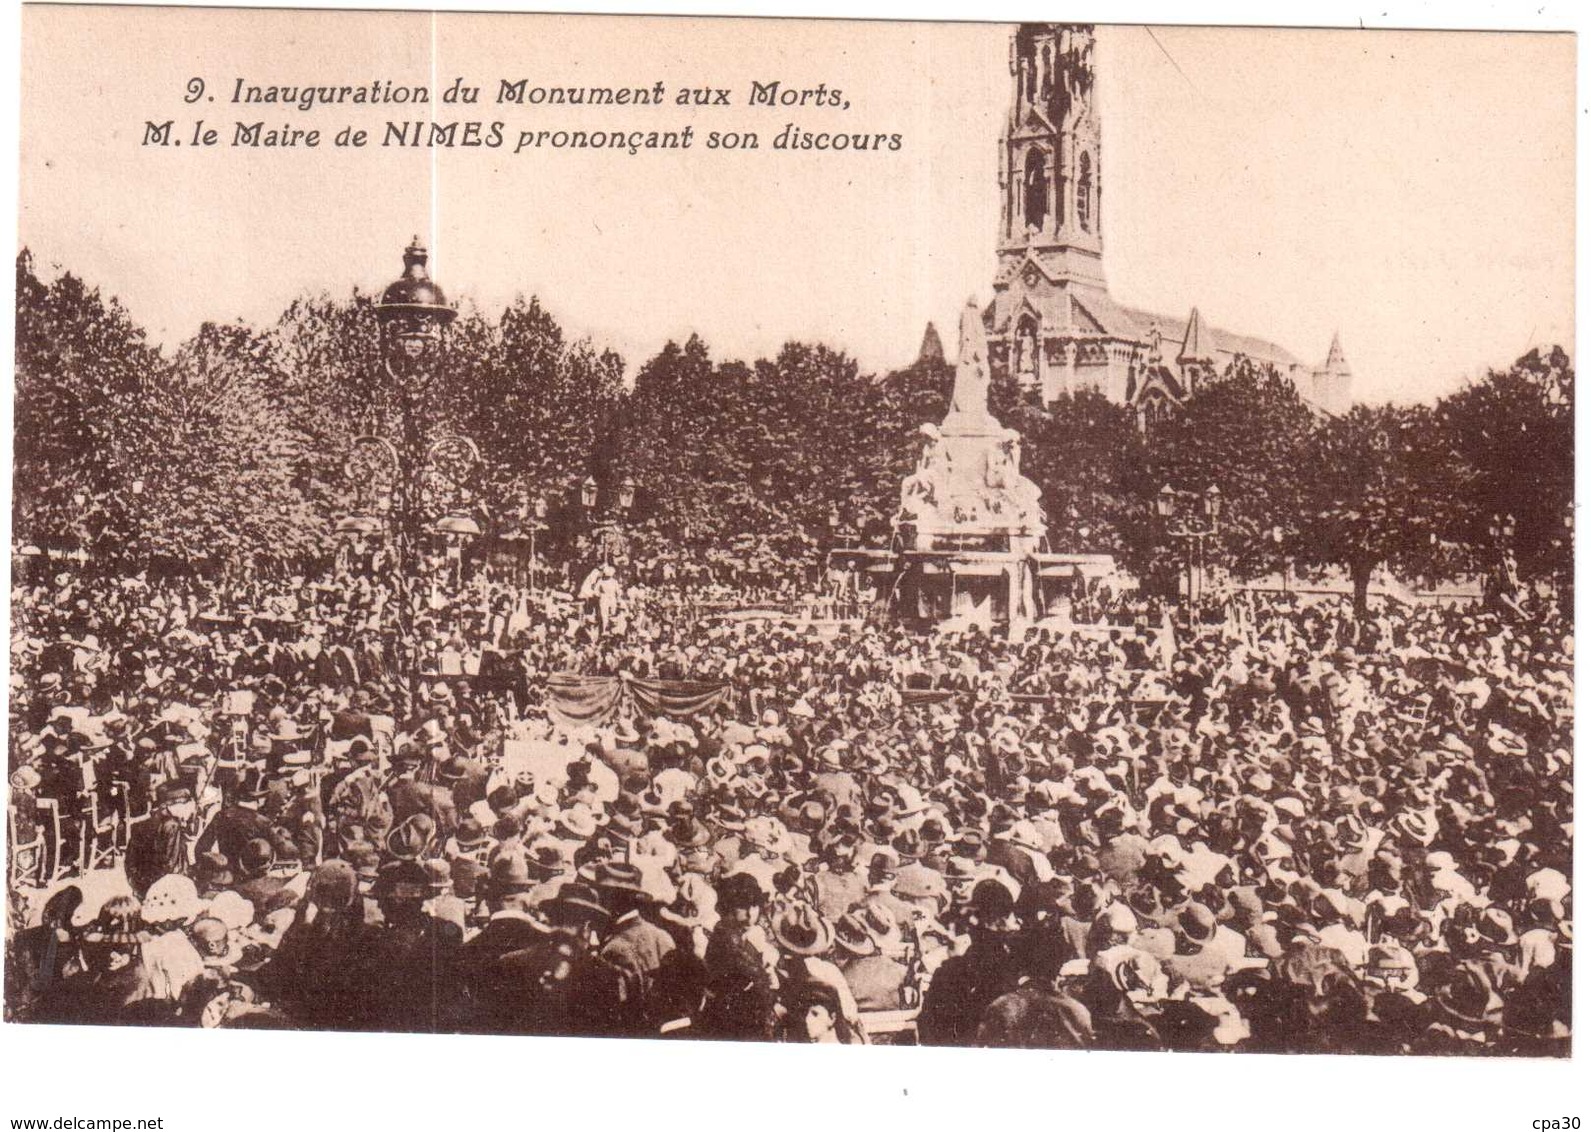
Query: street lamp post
x=1501, y=532
x=529, y=518
x=1279, y=537
x=413, y=315
x=608, y=524
x=1191, y=531
x=538, y=522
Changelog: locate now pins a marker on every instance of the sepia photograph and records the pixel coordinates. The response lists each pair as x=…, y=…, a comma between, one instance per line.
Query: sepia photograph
x=1015, y=535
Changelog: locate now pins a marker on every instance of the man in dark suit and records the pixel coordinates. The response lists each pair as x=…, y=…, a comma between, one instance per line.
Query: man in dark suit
x=499, y=996
x=238, y=823
x=409, y=796
x=158, y=845
x=407, y=974
x=1038, y=1014
x=740, y=993
x=965, y=985
x=635, y=947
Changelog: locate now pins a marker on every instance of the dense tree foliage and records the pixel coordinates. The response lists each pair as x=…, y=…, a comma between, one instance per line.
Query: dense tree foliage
x=234, y=445
x=81, y=369
x=1512, y=434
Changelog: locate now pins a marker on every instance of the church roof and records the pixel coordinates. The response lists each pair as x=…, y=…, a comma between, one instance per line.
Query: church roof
x=1140, y=384
x=1212, y=342
x=1082, y=310
x=1217, y=344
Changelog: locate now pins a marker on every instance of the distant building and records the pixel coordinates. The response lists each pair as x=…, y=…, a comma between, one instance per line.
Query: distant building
x=1053, y=324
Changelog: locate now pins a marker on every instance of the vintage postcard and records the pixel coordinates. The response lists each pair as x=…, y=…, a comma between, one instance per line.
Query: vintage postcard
x=1042, y=535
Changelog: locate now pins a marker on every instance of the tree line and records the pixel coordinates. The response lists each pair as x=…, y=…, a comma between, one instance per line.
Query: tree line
x=231, y=446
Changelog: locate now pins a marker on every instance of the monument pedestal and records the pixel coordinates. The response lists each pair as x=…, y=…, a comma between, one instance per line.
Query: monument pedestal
x=970, y=525
x=995, y=589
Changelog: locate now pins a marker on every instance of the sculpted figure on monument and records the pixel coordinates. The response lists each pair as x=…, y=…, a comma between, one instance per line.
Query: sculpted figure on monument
x=968, y=478
x=996, y=462
x=970, y=396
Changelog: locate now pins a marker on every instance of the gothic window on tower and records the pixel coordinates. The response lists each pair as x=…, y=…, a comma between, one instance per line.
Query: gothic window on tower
x=1085, y=191
x=1035, y=190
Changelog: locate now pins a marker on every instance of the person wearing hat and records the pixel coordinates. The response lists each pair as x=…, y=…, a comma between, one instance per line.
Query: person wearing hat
x=882, y=873
x=171, y=962
x=412, y=949
x=1463, y=1016
x=557, y=985
x=687, y=913
x=693, y=914
x=1038, y=1014
x=837, y=882
x=686, y=833
x=357, y=753
x=111, y=977
x=293, y=806
x=1397, y=1006
x=365, y=859
x=309, y=975
x=815, y=1014
x=1536, y=1016
x=238, y=822
x=634, y=946
x=408, y=796
x=739, y=1002
x=257, y=877
x=1201, y=959
x=877, y=980
x=158, y=845
x=42, y=954
x=1248, y=916
x=834, y=779
x=1121, y=993
x=923, y=888
x=495, y=995
x=357, y=806
x=964, y=985
x=1020, y=851
x=804, y=939
x=467, y=777
x=470, y=840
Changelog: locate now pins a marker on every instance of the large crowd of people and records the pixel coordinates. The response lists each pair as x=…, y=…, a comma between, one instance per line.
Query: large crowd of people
x=1273, y=828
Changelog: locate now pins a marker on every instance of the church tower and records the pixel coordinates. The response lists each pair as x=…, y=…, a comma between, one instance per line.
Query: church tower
x=1332, y=383
x=1050, y=155
x=1053, y=327
x=1050, y=244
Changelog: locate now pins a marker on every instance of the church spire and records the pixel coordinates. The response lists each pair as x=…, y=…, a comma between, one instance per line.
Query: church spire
x=1197, y=345
x=932, y=349
x=1331, y=386
x=1336, y=360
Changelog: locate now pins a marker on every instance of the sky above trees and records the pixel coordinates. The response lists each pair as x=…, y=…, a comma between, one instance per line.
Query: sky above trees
x=1412, y=190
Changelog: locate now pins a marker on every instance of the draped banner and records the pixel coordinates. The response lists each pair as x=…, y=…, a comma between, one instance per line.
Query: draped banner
x=593, y=701
x=677, y=698
x=583, y=701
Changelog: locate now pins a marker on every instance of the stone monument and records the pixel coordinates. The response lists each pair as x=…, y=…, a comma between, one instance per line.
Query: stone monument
x=968, y=544
x=968, y=491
